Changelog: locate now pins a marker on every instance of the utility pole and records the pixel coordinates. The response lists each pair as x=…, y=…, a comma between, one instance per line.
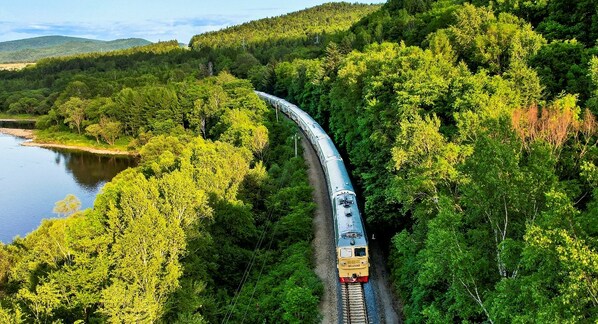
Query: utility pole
x=276, y=114
x=210, y=68
x=296, y=137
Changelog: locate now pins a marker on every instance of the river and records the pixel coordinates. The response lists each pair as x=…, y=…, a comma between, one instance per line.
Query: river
x=33, y=179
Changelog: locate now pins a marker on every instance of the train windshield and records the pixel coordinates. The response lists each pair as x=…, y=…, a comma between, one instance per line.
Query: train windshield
x=346, y=253
x=360, y=252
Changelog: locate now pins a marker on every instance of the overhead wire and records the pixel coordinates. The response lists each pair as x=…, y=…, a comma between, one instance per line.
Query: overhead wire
x=251, y=263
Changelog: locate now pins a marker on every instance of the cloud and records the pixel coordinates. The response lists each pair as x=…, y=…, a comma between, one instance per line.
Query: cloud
x=153, y=30
x=53, y=29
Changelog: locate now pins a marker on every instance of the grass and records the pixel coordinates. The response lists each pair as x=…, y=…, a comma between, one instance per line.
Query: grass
x=20, y=116
x=79, y=140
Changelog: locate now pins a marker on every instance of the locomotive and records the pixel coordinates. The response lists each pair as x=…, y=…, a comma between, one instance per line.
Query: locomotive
x=351, y=245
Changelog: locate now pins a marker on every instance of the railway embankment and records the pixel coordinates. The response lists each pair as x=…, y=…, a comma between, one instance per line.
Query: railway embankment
x=322, y=244
x=324, y=258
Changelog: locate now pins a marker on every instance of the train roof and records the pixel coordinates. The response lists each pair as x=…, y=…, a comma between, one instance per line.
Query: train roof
x=328, y=149
x=338, y=177
x=348, y=222
x=349, y=227
x=317, y=130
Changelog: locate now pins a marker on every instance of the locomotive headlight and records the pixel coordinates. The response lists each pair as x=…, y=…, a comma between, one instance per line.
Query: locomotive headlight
x=344, y=263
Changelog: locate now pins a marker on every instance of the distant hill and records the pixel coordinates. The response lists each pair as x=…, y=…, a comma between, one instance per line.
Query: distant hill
x=305, y=26
x=34, y=49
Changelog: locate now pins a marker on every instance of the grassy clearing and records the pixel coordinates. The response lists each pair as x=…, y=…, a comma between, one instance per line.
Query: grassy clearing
x=79, y=140
x=20, y=116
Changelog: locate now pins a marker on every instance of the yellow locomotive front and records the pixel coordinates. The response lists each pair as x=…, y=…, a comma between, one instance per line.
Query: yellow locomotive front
x=353, y=264
x=352, y=253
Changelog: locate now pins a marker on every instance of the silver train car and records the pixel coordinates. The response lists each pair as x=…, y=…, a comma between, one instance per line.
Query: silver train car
x=352, y=253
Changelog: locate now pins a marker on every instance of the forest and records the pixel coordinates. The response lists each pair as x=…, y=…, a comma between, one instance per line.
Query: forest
x=250, y=50
x=470, y=129
x=216, y=219
x=33, y=49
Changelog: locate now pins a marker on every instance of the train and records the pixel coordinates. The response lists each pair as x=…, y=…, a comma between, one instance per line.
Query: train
x=351, y=244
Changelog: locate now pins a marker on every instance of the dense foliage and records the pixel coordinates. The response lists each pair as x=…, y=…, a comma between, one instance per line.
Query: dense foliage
x=34, y=49
x=299, y=34
x=125, y=93
x=569, y=27
x=216, y=219
x=471, y=129
x=472, y=132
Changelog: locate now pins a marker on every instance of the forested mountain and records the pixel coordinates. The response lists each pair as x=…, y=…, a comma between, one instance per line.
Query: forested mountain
x=472, y=132
x=39, y=42
x=298, y=34
x=34, y=49
x=305, y=27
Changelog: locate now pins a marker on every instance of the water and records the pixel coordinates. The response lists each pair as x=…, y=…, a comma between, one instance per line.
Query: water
x=33, y=179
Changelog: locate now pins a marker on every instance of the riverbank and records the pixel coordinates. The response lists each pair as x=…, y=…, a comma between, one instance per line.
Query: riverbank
x=24, y=119
x=30, y=135
x=24, y=133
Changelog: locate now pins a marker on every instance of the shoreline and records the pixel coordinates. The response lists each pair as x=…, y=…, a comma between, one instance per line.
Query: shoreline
x=18, y=132
x=16, y=120
x=30, y=136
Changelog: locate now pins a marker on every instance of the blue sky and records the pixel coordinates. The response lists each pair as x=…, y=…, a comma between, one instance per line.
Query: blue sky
x=150, y=19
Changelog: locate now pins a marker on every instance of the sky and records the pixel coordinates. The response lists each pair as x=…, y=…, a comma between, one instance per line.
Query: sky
x=149, y=19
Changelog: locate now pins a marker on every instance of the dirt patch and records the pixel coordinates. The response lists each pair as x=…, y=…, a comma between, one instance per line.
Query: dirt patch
x=24, y=133
x=14, y=66
x=388, y=307
x=322, y=245
x=79, y=148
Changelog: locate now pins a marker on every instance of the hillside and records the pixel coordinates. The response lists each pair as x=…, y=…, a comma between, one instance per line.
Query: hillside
x=40, y=42
x=306, y=30
x=34, y=49
x=471, y=129
x=216, y=177
x=236, y=168
x=302, y=25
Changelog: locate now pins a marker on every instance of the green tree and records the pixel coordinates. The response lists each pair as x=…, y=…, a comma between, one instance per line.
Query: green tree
x=484, y=40
x=9, y=317
x=244, y=63
x=43, y=301
x=68, y=206
x=144, y=255
x=73, y=111
x=297, y=304
x=593, y=73
x=24, y=106
x=94, y=130
x=259, y=141
x=110, y=130
x=6, y=261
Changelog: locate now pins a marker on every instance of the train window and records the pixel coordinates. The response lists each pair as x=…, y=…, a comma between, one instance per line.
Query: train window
x=360, y=252
x=346, y=253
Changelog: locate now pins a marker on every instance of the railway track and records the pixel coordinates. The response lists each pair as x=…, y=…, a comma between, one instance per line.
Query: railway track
x=354, y=308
